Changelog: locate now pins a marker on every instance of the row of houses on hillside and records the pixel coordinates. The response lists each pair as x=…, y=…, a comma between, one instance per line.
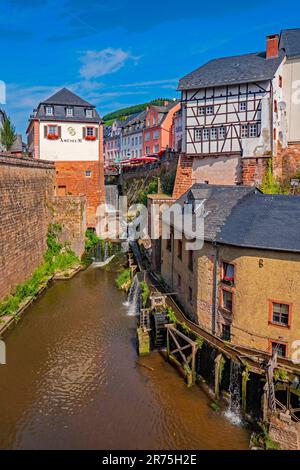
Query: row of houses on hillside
x=144, y=134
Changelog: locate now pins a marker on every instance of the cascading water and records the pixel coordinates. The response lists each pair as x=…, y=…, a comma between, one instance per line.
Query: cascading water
x=105, y=251
x=133, y=301
x=233, y=412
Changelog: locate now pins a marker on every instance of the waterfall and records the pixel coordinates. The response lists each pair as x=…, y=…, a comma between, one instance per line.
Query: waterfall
x=134, y=297
x=106, y=251
x=233, y=412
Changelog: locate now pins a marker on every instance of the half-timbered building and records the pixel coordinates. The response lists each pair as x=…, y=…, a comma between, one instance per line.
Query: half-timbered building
x=234, y=114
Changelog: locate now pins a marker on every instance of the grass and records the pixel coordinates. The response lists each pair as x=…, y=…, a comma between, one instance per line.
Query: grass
x=58, y=257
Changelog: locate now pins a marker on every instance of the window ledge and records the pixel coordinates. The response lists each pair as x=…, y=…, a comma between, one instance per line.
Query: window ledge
x=279, y=325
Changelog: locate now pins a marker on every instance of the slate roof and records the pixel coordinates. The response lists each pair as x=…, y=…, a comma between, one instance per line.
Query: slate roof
x=60, y=101
x=231, y=70
x=219, y=201
x=242, y=68
x=290, y=42
x=243, y=216
x=67, y=97
x=264, y=221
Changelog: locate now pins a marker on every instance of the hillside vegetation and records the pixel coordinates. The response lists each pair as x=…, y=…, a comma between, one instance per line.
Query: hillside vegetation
x=124, y=113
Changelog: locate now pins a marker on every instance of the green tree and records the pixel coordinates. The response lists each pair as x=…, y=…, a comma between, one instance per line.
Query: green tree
x=7, y=134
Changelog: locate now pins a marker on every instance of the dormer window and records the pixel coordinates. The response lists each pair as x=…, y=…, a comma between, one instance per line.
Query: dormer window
x=89, y=113
x=69, y=112
x=49, y=111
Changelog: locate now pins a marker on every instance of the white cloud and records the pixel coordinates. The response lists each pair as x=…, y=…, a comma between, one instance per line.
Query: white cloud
x=99, y=63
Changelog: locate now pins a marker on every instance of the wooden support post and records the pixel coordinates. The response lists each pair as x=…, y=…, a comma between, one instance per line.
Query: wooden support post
x=218, y=362
x=187, y=362
x=245, y=378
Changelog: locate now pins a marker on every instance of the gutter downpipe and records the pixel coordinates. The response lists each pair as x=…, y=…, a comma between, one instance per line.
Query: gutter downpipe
x=272, y=122
x=215, y=290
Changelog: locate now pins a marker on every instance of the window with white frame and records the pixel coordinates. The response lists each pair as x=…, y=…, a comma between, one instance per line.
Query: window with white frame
x=156, y=148
x=205, y=134
x=222, y=132
x=49, y=110
x=214, y=133
x=89, y=113
x=155, y=135
x=201, y=110
x=209, y=110
x=147, y=149
x=140, y=139
x=52, y=130
x=253, y=130
x=147, y=136
x=90, y=131
x=69, y=112
x=132, y=140
x=198, y=133
x=244, y=130
x=243, y=106
x=136, y=141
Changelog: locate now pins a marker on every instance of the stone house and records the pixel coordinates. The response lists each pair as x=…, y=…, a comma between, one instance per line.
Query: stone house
x=243, y=284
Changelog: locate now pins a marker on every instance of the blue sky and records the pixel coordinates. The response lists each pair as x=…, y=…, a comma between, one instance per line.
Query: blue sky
x=117, y=53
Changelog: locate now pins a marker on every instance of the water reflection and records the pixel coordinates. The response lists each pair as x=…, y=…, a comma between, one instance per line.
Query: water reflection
x=71, y=381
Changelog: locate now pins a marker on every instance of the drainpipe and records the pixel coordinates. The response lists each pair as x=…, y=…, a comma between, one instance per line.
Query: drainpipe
x=214, y=315
x=272, y=122
x=173, y=251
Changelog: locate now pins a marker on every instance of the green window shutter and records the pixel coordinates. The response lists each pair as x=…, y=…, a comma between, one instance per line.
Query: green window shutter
x=45, y=131
x=83, y=132
x=96, y=132
x=59, y=131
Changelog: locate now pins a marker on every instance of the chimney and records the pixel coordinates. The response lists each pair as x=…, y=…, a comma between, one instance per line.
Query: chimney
x=166, y=103
x=272, y=46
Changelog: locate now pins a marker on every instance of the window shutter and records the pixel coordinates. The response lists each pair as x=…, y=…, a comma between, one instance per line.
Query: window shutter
x=96, y=132
x=59, y=131
x=45, y=131
x=83, y=132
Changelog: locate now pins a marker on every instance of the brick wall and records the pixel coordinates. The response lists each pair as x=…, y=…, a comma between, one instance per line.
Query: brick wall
x=70, y=213
x=287, y=161
x=71, y=179
x=253, y=170
x=184, y=176
x=26, y=188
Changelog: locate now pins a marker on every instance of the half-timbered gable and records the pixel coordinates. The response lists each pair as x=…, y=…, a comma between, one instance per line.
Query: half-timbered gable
x=238, y=113
x=227, y=120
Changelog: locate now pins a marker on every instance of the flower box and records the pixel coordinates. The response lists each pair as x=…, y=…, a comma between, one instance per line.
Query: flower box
x=52, y=136
x=90, y=137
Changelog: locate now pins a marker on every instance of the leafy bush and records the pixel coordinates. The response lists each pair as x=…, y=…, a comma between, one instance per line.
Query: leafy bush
x=91, y=239
x=150, y=189
x=123, y=278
